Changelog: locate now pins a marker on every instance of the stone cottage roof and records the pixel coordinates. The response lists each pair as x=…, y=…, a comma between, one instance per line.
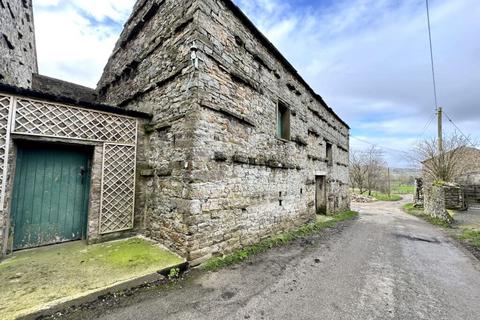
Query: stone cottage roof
x=58, y=87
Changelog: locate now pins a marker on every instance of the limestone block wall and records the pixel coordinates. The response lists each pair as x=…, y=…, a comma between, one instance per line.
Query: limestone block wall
x=151, y=70
x=249, y=183
x=454, y=198
x=153, y=50
x=18, y=57
x=215, y=177
x=434, y=202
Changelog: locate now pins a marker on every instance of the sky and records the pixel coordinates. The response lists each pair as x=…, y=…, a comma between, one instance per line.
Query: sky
x=369, y=59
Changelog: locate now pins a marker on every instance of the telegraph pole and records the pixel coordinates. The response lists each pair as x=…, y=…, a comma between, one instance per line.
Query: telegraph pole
x=440, y=130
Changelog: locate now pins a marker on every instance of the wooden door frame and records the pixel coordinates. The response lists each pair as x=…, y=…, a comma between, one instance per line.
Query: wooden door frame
x=17, y=140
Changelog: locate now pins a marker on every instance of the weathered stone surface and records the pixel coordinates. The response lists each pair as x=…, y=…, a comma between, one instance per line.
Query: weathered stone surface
x=63, y=88
x=18, y=58
x=213, y=86
x=434, y=202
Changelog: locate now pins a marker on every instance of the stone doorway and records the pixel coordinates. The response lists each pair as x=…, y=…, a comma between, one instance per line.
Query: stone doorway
x=320, y=195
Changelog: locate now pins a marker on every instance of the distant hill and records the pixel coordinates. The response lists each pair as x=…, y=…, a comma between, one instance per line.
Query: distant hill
x=402, y=173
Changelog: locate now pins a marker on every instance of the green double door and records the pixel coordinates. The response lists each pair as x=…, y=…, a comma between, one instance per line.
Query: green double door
x=50, y=195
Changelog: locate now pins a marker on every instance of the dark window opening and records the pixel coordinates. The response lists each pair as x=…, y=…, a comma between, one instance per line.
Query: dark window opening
x=301, y=191
x=280, y=202
x=1, y=76
x=25, y=4
x=283, y=122
x=20, y=36
x=329, y=154
x=1, y=4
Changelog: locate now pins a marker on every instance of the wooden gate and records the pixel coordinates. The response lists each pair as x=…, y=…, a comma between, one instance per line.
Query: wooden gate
x=472, y=195
x=50, y=196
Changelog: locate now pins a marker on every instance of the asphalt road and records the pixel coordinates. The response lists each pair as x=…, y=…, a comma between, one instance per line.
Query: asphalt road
x=385, y=265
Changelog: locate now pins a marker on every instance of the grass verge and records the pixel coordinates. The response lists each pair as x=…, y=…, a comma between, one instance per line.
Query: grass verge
x=471, y=236
x=410, y=209
x=276, y=241
x=386, y=197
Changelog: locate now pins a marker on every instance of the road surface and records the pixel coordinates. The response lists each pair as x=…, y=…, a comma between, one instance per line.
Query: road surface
x=384, y=265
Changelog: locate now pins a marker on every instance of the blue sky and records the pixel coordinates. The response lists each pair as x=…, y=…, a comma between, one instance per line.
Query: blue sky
x=369, y=59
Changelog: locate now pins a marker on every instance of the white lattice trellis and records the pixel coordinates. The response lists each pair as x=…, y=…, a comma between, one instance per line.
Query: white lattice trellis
x=5, y=114
x=117, y=133
x=118, y=188
x=54, y=120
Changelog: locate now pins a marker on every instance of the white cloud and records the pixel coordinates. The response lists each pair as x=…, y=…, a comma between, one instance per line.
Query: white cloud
x=75, y=38
x=369, y=59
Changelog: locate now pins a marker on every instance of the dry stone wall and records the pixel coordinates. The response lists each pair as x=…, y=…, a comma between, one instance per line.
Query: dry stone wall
x=249, y=183
x=150, y=70
x=435, y=202
x=214, y=176
x=18, y=58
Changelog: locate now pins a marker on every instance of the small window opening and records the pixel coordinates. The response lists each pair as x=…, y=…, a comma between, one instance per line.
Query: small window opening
x=329, y=154
x=301, y=191
x=280, y=202
x=283, y=122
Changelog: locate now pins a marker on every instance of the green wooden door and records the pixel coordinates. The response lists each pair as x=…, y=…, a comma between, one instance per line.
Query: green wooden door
x=50, y=195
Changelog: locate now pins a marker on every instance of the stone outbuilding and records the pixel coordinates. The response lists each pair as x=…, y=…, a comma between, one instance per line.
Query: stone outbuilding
x=200, y=135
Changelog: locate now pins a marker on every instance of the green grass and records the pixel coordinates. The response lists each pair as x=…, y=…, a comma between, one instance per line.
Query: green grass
x=471, y=236
x=403, y=189
x=276, y=241
x=385, y=197
x=380, y=196
x=410, y=209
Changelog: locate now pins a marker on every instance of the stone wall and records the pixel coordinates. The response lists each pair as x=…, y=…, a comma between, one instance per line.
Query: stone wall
x=250, y=183
x=18, y=57
x=454, y=198
x=150, y=70
x=215, y=175
x=434, y=202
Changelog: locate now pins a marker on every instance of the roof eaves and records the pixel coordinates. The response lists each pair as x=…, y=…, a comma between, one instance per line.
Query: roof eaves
x=13, y=90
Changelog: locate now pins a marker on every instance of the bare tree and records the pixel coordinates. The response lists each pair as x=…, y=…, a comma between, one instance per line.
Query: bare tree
x=446, y=165
x=358, y=171
x=367, y=170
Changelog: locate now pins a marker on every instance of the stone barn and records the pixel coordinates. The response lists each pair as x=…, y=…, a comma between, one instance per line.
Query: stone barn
x=199, y=135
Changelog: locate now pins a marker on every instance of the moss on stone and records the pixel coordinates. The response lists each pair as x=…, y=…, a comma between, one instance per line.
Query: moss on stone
x=31, y=279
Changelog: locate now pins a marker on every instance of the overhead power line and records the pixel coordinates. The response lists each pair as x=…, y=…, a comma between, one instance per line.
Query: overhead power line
x=427, y=125
x=458, y=128
x=431, y=55
x=379, y=146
